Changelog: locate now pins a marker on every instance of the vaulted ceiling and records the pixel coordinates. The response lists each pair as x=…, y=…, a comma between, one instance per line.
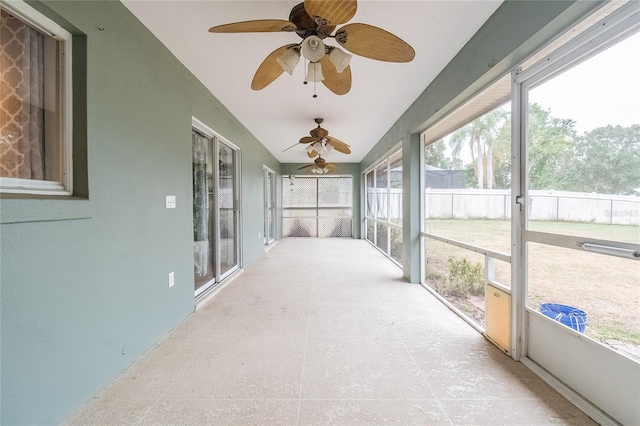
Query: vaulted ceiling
x=283, y=112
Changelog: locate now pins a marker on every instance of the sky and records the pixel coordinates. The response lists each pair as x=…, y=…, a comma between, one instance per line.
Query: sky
x=603, y=90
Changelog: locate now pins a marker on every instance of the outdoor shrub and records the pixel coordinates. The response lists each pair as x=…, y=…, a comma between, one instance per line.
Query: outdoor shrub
x=436, y=280
x=465, y=277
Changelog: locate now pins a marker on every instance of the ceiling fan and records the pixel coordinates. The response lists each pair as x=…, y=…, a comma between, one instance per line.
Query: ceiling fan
x=319, y=166
x=314, y=21
x=321, y=143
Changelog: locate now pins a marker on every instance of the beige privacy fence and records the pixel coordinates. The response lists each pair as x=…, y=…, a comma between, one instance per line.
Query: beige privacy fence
x=544, y=205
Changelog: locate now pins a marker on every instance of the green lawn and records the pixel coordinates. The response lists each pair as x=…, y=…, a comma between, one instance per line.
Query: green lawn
x=606, y=287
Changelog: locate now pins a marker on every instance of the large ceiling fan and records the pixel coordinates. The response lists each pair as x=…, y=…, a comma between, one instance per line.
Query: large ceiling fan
x=319, y=166
x=321, y=143
x=315, y=21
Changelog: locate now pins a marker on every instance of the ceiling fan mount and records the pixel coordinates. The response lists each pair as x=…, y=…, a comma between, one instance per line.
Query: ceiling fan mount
x=306, y=26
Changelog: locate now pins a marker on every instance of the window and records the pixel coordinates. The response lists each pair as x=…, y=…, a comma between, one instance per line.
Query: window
x=35, y=103
x=467, y=207
x=583, y=153
x=317, y=206
x=384, y=206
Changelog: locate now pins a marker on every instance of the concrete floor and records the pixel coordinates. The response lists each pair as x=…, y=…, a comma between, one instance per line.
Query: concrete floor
x=325, y=331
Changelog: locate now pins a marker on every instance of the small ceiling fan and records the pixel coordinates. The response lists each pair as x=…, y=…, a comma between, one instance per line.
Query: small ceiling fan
x=319, y=166
x=321, y=143
x=314, y=21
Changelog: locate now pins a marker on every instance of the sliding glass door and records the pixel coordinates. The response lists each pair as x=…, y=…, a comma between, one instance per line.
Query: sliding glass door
x=269, y=206
x=227, y=208
x=215, y=209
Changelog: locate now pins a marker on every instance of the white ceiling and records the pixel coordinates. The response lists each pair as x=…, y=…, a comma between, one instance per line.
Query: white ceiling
x=283, y=112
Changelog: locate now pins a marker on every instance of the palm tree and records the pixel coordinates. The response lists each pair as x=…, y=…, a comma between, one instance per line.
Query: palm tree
x=483, y=136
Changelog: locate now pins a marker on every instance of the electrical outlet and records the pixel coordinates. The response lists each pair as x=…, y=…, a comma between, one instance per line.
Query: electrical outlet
x=171, y=279
x=170, y=201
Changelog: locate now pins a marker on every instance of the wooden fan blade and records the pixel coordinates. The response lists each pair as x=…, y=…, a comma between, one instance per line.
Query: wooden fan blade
x=338, y=145
x=308, y=139
x=295, y=144
x=269, y=69
x=312, y=153
x=338, y=83
x=306, y=167
x=257, y=26
x=334, y=12
x=374, y=43
x=331, y=167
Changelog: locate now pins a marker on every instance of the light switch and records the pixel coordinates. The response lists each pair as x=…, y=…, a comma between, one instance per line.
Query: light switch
x=171, y=201
x=171, y=279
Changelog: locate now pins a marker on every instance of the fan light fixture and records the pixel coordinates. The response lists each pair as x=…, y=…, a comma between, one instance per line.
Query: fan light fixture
x=319, y=170
x=340, y=59
x=314, y=72
x=312, y=48
x=289, y=59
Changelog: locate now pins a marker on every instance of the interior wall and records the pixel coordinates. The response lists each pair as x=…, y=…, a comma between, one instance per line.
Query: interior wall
x=84, y=281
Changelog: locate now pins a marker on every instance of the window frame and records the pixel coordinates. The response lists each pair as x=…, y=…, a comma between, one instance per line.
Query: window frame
x=64, y=88
x=374, y=218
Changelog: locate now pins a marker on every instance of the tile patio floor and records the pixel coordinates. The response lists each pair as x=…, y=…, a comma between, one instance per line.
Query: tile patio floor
x=325, y=331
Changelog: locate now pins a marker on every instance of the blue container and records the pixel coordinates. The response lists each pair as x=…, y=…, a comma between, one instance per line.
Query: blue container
x=567, y=315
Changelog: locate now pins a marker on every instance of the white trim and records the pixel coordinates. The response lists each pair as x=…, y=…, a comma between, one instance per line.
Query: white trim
x=214, y=291
x=575, y=398
x=37, y=19
x=32, y=186
x=621, y=23
x=266, y=173
x=265, y=167
x=490, y=253
x=208, y=131
x=65, y=103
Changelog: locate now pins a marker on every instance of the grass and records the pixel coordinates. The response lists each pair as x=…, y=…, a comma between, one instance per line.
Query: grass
x=607, y=288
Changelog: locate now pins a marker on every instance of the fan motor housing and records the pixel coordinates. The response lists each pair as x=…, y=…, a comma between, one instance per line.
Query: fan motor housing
x=319, y=133
x=306, y=25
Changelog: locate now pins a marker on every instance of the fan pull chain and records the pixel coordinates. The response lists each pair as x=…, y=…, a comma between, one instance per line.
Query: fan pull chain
x=305, y=78
x=314, y=82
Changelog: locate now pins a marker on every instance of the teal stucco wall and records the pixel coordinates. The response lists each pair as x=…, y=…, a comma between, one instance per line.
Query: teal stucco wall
x=84, y=280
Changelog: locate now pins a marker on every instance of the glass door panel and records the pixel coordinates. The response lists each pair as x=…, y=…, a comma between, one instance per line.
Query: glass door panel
x=204, y=269
x=228, y=211
x=215, y=210
x=270, y=208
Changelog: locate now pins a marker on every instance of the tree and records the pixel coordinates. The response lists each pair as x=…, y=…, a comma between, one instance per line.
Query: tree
x=550, y=143
x=434, y=155
x=606, y=160
x=483, y=138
